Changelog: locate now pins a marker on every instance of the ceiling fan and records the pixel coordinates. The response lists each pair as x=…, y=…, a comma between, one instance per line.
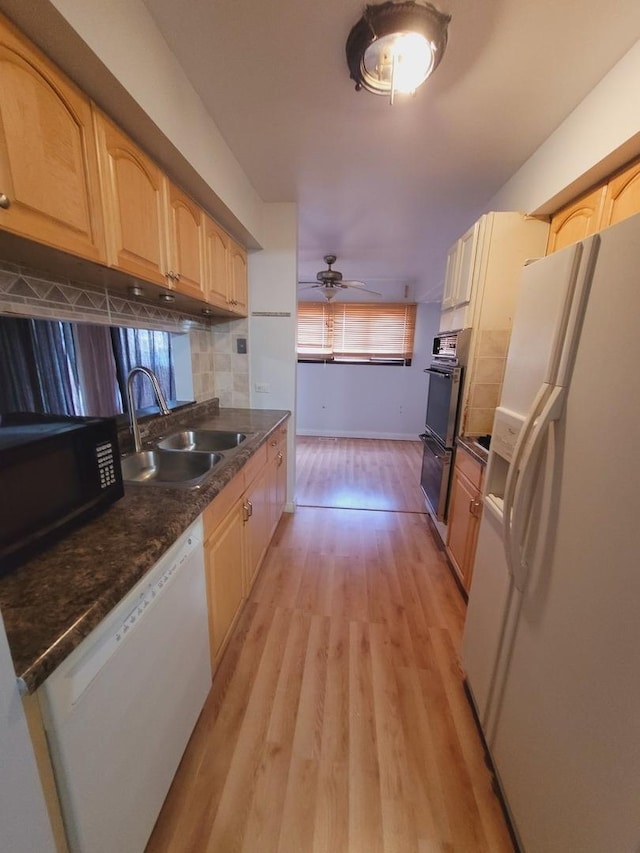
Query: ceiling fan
x=330, y=282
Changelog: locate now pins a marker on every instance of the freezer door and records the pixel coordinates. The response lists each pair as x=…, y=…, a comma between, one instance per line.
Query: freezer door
x=566, y=744
x=545, y=287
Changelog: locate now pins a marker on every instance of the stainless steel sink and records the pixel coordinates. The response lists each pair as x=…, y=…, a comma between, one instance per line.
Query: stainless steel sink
x=162, y=467
x=203, y=440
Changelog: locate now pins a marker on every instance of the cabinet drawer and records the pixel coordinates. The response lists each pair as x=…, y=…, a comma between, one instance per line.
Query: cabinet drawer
x=254, y=465
x=276, y=441
x=472, y=469
x=222, y=504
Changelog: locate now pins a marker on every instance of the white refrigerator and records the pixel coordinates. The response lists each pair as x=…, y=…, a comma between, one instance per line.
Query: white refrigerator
x=551, y=646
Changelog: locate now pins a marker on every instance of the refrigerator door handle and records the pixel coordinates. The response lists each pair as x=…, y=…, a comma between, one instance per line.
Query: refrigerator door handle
x=551, y=411
x=513, y=478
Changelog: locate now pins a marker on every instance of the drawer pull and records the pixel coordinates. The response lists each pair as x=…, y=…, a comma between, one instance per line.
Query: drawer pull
x=5, y=201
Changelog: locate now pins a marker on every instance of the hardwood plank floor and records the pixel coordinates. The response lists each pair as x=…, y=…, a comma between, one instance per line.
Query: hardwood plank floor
x=359, y=473
x=337, y=721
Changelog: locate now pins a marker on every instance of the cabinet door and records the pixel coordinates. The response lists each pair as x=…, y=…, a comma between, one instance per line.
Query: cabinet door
x=257, y=528
x=134, y=203
x=462, y=525
x=576, y=221
x=450, y=277
x=48, y=164
x=467, y=250
x=281, y=481
x=217, y=265
x=622, y=197
x=239, y=283
x=224, y=555
x=186, y=244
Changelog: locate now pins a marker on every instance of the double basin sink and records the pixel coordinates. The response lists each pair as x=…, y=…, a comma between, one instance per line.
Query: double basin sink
x=183, y=459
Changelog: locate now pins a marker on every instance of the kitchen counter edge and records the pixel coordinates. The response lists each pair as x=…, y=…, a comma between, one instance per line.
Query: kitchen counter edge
x=54, y=601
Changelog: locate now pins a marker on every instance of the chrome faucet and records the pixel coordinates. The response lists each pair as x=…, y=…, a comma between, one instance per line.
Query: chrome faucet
x=135, y=429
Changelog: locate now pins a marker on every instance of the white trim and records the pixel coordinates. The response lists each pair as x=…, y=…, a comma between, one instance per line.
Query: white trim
x=394, y=436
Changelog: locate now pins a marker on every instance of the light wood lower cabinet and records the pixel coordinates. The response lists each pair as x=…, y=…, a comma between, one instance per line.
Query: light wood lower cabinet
x=465, y=510
x=238, y=526
x=225, y=558
x=277, y=456
x=257, y=529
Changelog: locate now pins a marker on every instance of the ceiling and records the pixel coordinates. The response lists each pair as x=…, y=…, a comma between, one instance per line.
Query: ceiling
x=388, y=189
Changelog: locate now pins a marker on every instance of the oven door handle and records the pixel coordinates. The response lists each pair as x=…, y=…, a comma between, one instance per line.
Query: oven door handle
x=441, y=373
x=430, y=442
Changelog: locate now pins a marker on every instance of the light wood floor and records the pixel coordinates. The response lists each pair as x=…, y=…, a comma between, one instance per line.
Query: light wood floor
x=337, y=722
x=359, y=473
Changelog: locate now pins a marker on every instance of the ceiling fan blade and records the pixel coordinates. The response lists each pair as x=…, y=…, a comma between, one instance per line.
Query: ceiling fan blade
x=303, y=285
x=366, y=290
x=349, y=283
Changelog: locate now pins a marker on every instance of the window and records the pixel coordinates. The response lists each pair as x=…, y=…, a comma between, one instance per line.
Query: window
x=63, y=368
x=356, y=333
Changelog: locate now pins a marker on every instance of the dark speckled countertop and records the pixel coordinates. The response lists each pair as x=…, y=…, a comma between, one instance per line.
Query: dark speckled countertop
x=55, y=600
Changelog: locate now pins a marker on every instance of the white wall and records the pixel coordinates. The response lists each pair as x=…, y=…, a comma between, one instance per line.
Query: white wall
x=368, y=401
x=601, y=134
x=273, y=275
x=24, y=822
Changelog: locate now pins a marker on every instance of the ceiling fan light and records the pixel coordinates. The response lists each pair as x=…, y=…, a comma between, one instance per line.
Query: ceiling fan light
x=394, y=47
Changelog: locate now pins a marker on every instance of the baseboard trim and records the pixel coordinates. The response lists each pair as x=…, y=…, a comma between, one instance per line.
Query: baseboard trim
x=392, y=436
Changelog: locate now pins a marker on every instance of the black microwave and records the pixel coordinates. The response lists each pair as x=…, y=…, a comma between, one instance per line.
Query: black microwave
x=56, y=472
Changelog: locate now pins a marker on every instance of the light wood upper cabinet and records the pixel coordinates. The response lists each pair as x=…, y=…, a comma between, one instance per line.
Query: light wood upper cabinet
x=48, y=166
x=217, y=266
x=610, y=203
x=576, y=221
x=134, y=199
x=186, y=244
x=622, y=197
x=239, y=283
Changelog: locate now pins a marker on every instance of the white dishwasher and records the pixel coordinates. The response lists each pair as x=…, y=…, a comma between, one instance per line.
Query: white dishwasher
x=120, y=709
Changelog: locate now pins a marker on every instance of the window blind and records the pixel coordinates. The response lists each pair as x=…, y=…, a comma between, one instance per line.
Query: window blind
x=356, y=332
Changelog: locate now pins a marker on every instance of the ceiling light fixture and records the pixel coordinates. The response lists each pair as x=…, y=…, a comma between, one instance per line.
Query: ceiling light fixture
x=135, y=290
x=166, y=296
x=394, y=47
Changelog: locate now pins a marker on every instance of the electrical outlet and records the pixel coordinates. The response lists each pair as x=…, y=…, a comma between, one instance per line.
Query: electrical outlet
x=262, y=387
x=241, y=346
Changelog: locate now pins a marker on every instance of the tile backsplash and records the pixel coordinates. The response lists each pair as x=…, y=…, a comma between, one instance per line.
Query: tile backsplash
x=485, y=381
x=218, y=371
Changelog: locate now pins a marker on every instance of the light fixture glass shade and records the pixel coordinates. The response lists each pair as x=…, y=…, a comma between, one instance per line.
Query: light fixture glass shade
x=402, y=61
x=394, y=47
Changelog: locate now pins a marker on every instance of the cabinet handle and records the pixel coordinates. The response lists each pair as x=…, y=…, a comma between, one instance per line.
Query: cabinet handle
x=246, y=507
x=474, y=506
x=5, y=201
x=280, y=459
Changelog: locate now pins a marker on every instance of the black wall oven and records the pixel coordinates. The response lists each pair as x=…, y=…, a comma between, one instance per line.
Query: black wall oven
x=441, y=423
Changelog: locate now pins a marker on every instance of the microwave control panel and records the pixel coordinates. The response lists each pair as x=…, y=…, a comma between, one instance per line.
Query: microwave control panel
x=106, y=464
